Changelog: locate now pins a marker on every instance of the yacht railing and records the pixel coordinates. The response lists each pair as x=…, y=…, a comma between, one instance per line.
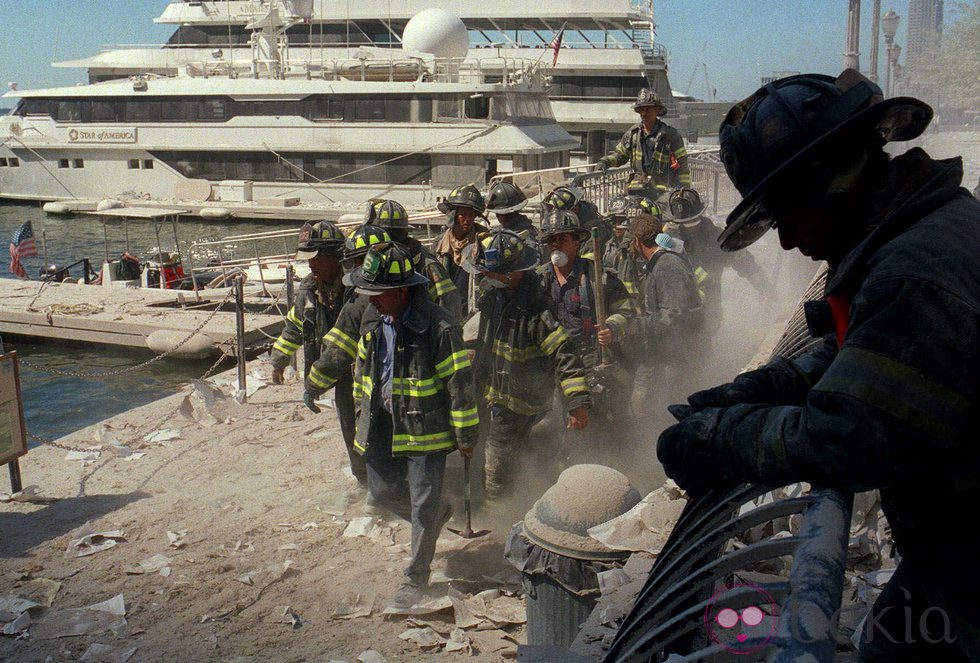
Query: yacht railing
x=252, y=254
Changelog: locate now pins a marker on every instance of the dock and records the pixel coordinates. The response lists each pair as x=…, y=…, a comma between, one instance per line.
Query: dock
x=125, y=316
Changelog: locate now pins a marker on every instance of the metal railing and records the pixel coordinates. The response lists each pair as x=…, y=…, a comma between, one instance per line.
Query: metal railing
x=708, y=176
x=227, y=258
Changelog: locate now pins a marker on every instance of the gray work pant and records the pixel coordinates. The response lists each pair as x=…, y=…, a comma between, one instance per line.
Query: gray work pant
x=506, y=439
x=343, y=396
x=410, y=487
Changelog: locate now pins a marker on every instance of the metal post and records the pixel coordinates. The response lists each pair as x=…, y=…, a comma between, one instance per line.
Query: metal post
x=875, y=30
x=15, y=481
x=714, y=197
x=240, y=333
x=289, y=303
x=851, y=55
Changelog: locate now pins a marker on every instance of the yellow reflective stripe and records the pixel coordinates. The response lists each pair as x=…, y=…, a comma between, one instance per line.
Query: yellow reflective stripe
x=464, y=418
x=454, y=362
x=571, y=386
x=291, y=316
x=415, y=386
x=319, y=379
x=680, y=152
x=358, y=389
x=510, y=353
x=685, y=178
x=285, y=347
x=700, y=275
x=342, y=341
x=362, y=347
x=428, y=442
x=550, y=344
x=513, y=403
x=366, y=386
x=443, y=287
x=631, y=288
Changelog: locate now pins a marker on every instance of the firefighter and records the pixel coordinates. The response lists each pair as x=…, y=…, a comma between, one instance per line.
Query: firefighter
x=414, y=384
x=521, y=348
x=890, y=399
x=312, y=315
x=462, y=207
x=619, y=254
x=671, y=312
x=572, y=199
x=506, y=201
x=569, y=279
x=654, y=150
x=393, y=217
x=697, y=230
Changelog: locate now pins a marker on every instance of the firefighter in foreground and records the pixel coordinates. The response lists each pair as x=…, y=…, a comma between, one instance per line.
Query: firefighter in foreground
x=654, y=150
x=417, y=401
x=393, y=218
x=462, y=207
x=890, y=400
x=522, y=351
x=671, y=311
x=619, y=255
x=321, y=297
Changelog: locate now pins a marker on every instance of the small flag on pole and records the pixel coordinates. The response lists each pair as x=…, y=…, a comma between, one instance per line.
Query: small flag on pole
x=556, y=44
x=22, y=245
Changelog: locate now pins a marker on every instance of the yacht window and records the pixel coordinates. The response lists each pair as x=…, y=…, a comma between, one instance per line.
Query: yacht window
x=69, y=111
x=63, y=163
x=408, y=170
x=147, y=164
x=398, y=110
x=447, y=108
x=36, y=107
x=177, y=109
x=213, y=109
x=366, y=110
x=325, y=108
x=134, y=164
x=3, y=162
x=478, y=107
x=424, y=109
x=102, y=111
x=141, y=110
x=78, y=163
x=13, y=162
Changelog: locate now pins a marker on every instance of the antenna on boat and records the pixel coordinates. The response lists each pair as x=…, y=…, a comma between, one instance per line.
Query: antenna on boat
x=230, y=60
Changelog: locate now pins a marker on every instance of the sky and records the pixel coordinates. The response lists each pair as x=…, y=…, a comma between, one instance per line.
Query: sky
x=739, y=40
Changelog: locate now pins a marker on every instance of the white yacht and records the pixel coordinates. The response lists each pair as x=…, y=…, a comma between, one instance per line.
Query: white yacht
x=266, y=124
x=607, y=49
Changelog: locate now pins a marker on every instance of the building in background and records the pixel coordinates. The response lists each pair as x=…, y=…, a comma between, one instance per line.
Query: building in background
x=925, y=30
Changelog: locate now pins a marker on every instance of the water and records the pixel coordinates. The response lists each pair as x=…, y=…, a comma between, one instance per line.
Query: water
x=55, y=406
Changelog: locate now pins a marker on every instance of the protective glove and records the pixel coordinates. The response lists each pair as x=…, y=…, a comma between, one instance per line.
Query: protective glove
x=308, y=398
x=277, y=374
x=693, y=456
x=602, y=165
x=758, y=386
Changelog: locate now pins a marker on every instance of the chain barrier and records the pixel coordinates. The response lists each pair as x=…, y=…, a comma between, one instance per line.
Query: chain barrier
x=137, y=367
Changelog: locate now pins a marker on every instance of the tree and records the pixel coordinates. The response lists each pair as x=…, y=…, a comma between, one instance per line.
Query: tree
x=950, y=77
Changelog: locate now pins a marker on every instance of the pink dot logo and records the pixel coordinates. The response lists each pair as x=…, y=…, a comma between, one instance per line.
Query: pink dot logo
x=743, y=630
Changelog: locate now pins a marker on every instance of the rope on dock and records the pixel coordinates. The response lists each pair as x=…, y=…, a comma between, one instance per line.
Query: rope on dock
x=137, y=367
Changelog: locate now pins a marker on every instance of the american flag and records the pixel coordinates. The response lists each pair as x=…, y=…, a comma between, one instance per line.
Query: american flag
x=556, y=45
x=22, y=245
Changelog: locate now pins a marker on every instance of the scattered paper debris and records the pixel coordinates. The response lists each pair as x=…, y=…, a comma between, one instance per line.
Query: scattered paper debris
x=359, y=605
x=430, y=607
x=30, y=494
x=289, y=546
x=18, y=625
x=459, y=642
x=370, y=656
x=16, y=604
x=163, y=435
x=488, y=609
x=155, y=564
x=108, y=615
x=99, y=653
x=368, y=527
x=309, y=526
x=95, y=542
x=647, y=525
x=114, y=606
x=287, y=616
x=82, y=455
x=246, y=579
x=40, y=590
x=176, y=539
x=134, y=456
x=425, y=638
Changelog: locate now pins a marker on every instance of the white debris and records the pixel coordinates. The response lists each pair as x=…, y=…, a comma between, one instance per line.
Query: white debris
x=20, y=624
x=30, y=494
x=155, y=564
x=368, y=527
x=488, y=609
x=82, y=455
x=351, y=607
x=647, y=525
x=134, y=456
x=94, y=542
x=430, y=607
x=370, y=656
x=114, y=606
x=100, y=652
x=176, y=539
x=163, y=435
x=425, y=638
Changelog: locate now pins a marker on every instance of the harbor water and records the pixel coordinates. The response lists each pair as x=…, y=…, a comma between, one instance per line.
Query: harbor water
x=56, y=405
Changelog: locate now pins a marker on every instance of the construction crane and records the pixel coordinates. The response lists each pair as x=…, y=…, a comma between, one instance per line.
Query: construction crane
x=700, y=64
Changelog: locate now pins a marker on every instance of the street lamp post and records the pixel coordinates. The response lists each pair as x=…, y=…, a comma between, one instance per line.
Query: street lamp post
x=896, y=52
x=889, y=26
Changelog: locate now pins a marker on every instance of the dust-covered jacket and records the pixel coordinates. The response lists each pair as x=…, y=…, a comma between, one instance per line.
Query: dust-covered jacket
x=313, y=313
x=523, y=352
x=668, y=149
x=433, y=405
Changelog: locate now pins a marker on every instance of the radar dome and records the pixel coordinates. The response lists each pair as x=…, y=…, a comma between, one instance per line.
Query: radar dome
x=438, y=32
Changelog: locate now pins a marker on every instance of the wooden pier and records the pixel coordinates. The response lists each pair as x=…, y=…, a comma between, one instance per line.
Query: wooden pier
x=128, y=316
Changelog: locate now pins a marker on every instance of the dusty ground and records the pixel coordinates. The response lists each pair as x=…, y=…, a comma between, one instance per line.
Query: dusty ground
x=253, y=492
